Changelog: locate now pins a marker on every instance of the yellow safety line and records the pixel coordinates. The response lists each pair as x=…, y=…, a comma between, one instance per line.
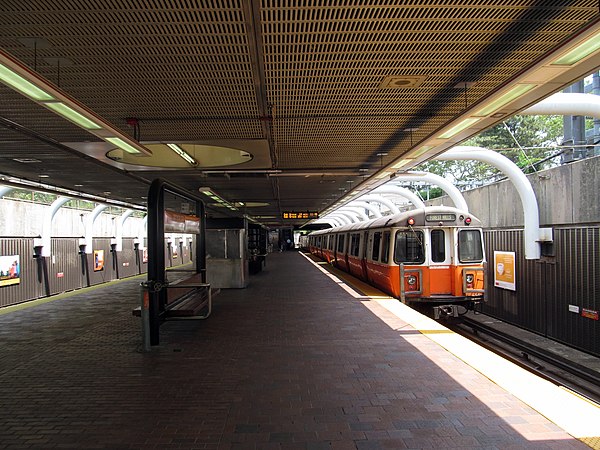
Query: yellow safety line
x=578, y=416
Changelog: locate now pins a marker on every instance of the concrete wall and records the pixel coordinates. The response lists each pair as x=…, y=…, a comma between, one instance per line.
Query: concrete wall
x=568, y=194
x=25, y=219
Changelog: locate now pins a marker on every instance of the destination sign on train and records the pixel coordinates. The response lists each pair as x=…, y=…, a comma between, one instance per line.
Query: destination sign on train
x=440, y=217
x=300, y=214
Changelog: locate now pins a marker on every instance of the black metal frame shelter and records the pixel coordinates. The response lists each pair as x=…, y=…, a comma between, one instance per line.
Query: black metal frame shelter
x=157, y=283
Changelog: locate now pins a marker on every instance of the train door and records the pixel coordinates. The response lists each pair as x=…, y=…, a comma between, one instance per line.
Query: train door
x=440, y=272
x=363, y=253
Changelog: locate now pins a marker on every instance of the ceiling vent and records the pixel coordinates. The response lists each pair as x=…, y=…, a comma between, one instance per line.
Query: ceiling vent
x=401, y=82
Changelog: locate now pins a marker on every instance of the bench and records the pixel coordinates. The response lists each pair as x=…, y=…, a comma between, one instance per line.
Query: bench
x=186, y=298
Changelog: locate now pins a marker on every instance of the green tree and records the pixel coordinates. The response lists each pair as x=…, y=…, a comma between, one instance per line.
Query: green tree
x=525, y=140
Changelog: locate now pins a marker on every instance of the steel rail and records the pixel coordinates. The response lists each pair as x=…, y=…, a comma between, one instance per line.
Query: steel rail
x=529, y=350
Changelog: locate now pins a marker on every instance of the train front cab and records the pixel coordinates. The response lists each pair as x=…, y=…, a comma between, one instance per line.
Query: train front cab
x=440, y=266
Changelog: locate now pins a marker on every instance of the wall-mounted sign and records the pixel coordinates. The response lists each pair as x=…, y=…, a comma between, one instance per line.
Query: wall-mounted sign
x=504, y=270
x=181, y=223
x=589, y=314
x=10, y=270
x=300, y=214
x=98, y=260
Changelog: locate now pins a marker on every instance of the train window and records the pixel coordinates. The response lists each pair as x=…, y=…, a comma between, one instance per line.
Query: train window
x=438, y=246
x=385, y=252
x=340, y=247
x=469, y=246
x=354, y=244
x=409, y=247
x=376, y=245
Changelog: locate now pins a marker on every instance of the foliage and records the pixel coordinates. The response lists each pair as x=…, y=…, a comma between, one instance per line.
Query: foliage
x=525, y=140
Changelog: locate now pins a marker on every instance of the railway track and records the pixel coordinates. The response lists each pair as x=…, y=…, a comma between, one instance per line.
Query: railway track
x=550, y=366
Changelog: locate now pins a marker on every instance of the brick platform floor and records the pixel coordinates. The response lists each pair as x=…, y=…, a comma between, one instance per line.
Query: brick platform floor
x=291, y=362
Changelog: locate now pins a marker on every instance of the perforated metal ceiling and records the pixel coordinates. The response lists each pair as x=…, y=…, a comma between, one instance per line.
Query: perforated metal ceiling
x=305, y=75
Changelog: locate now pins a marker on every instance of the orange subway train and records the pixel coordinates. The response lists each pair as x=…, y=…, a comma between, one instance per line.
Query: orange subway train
x=430, y=258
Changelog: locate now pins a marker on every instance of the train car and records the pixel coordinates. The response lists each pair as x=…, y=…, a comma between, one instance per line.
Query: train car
x=430, y=258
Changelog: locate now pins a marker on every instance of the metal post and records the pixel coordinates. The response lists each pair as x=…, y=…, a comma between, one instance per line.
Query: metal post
x=145, y=315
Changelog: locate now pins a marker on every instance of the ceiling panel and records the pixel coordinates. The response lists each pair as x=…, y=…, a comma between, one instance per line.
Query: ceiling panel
x=304, y=75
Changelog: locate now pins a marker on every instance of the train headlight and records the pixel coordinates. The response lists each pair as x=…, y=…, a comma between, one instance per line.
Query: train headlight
x=411, y=280
x=468, y=221
x=470, y=278
x=411, y=221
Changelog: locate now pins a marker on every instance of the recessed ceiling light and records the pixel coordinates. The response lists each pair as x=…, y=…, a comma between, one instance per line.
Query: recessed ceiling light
x=401, y=82
x=44, y=176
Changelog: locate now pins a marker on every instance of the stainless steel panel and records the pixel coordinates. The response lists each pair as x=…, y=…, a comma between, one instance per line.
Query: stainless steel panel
x=64, y=266
x=546, y=287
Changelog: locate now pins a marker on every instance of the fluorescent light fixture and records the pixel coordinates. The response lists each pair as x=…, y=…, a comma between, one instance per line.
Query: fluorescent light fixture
x=513, y=93
x=181, y=152
x=118, y=142
x=382, y=175
x=466, y=123
x=19, y=77
x=420, y=151
x=401, y=163
x=69, y=113
x=581, y=51
x=17, y=82
x=216, y=198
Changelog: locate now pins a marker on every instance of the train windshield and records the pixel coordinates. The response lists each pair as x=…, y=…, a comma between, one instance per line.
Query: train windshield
x=409, y=247
x=469, y=246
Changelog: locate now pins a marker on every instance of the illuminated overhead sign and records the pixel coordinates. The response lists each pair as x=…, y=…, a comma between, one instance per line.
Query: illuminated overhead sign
x=300, y=214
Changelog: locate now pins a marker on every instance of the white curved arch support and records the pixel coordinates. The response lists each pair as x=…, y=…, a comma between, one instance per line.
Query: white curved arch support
x=366, y=206
x=5, y=190
x=401, y=192
x=532, y=233
x=339, y=222
x=379, y=199
x=341, y=218
x=142, y=232
x=89, y=227
x=566, y=104
x=354, y=218
x=360, y=214
x=120, y=223
x=329, y=220
x=45, y=240
x=452, y=191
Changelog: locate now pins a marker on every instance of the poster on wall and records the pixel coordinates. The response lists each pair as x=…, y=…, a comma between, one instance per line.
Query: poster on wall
x=10, y=270
x=504, y=270
x=98, y=260
x=145, y=255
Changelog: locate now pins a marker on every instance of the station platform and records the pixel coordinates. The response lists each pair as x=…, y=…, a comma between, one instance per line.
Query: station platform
x=298, y=360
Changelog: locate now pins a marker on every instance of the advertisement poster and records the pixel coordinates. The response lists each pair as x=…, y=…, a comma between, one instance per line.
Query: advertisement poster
x=10, y=270
x=145, y=255
x=504, y=270
x=98, y=260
